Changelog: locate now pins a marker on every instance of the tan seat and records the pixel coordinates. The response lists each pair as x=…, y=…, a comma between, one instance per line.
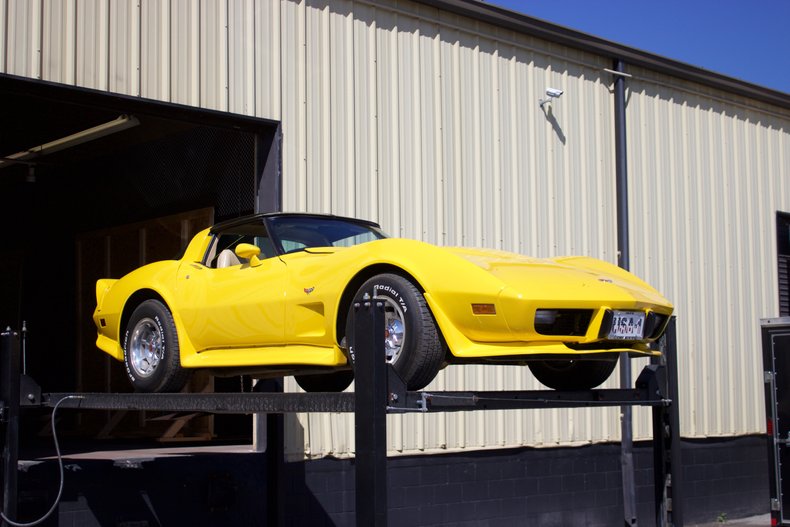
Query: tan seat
x=227, y=258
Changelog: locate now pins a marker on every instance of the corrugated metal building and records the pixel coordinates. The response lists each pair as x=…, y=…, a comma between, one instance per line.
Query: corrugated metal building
x=424, y=116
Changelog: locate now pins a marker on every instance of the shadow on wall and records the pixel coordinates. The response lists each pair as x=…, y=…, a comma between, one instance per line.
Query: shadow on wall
x=547, y=111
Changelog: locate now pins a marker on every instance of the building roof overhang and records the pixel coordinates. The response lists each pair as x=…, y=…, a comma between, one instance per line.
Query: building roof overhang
x=521, y=23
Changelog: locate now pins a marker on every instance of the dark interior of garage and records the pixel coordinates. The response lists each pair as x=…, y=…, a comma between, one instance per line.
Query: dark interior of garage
x=94, y=185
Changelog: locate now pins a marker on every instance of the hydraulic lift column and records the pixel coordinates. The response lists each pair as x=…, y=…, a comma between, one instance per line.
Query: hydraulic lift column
x=9, y=416
x=370, y=422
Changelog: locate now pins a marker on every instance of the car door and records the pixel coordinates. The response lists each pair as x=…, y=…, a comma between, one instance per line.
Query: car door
x=241, y=305
x=315, y=282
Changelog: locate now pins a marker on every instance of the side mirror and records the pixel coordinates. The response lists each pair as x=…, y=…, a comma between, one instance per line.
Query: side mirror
x=249, y=252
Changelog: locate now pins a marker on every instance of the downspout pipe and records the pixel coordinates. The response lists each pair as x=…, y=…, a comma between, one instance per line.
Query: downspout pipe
x=623, y=260
x=621, y=167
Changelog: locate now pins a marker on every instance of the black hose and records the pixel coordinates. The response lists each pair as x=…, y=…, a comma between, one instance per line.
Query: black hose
x=60, y=464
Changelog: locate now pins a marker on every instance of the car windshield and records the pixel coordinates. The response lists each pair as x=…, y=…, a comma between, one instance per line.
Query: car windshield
x=295, y=233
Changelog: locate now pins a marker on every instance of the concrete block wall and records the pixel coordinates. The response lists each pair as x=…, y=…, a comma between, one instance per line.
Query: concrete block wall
x=531, y=487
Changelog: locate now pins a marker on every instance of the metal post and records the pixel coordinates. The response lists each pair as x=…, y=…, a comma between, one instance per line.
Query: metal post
x=660, y=439
x=673, y=417
x=9, y=402
x=623, y=256
x=268, y=439
x=660, y=465
x=667, y=462
x=370, y=421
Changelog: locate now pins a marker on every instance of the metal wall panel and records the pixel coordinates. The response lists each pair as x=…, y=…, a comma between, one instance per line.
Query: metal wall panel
x=155, y=49
x=707, y=174
x=58, y=42
x=241, y=62
x=214, y=54
x=429, y=123
x=124, y=67
x=267, y=59
x=293, y=74
x=93, y=43
x=23, y=37
x=185, y=52
x=3, y=33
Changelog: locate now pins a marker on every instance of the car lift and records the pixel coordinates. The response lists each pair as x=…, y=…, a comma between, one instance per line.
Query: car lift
x=379, y=391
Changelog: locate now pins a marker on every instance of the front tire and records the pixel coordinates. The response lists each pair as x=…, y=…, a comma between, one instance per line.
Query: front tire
x=575, y=374
x=150, y=350
x=413, y=343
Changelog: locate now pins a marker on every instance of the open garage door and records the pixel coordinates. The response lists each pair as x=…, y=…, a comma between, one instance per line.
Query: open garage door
x=78, y=164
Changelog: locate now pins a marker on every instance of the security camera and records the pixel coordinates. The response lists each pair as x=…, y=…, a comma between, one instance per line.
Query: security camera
x=553, y=92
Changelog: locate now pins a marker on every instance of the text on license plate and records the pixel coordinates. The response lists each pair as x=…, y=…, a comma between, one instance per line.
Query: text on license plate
x=627, y=325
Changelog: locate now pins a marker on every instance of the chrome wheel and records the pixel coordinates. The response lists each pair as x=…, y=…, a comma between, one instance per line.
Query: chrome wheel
x=150, y=350
x=394, y=328
x=146, y=347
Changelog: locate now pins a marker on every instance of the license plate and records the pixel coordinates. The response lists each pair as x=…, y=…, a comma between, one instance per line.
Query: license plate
x=627, y=325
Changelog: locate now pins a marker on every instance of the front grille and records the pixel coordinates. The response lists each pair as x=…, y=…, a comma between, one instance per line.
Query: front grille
x=606, y=323
x=567, y=322
x=655, y=325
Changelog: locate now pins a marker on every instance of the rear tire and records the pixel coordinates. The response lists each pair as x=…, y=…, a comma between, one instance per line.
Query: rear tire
x=575, y=374
x=413, y=343
x=150, y=350
x=337, y=381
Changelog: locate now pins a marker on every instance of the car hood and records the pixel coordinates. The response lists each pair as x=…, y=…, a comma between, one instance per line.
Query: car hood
x=565, y=278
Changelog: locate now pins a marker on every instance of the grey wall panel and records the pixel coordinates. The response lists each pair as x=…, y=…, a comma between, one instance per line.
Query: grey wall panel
x=448, y=142
x=241, y=62
x=429, y=123
x=267, y=66
x=708, y=174
x=124, y=60
x=214, y=81
x=185, y=52
x=59, y=31
x=155, y=43
x=3, y=35
x=93, y=43
x=23, y=37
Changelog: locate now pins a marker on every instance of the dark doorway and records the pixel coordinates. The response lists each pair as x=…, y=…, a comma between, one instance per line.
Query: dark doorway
x=79, y=166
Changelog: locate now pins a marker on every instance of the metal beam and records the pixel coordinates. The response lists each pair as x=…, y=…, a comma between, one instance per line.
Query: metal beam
x=468, y=401
x=454, y=401
x=220, y=403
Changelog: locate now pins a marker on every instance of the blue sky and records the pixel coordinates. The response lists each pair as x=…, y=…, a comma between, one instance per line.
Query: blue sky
x=745, y=39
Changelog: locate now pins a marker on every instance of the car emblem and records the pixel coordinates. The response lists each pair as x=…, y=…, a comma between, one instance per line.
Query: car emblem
x=309, y=290
x=607, y=280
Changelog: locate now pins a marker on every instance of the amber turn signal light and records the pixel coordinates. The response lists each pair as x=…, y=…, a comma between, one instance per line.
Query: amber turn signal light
x=484, y=309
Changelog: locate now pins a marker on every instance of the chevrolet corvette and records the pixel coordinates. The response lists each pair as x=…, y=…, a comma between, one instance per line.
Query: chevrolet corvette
x=270, y=295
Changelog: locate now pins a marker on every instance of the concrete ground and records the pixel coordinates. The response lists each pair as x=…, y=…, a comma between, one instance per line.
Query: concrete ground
x=754, y=521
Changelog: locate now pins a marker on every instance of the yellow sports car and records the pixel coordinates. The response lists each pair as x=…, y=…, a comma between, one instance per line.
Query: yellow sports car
x=270, y=295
